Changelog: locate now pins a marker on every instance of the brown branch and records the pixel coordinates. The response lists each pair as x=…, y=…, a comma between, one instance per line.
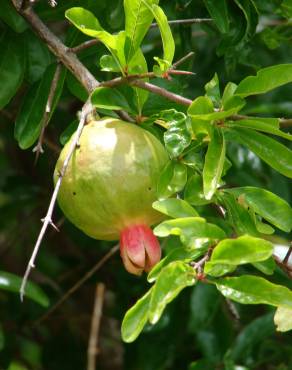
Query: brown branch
x=39, y=148
x=93, y=350
x=61, y=51
x=182, y=60
x=162, y=92
x=87, y=109
x=79, y=283
x=84, y=45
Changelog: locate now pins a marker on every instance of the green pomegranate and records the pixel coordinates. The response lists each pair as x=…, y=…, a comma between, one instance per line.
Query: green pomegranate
x=110, y=185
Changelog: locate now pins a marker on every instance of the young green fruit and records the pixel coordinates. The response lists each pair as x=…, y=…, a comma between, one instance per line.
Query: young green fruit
x=110, y=185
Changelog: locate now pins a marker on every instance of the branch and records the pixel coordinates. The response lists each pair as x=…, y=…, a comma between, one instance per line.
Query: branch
x=62, y=52
x=79, y=283
x=38, y=148
x=92, y=350
x=87, y=108
x=162, y=92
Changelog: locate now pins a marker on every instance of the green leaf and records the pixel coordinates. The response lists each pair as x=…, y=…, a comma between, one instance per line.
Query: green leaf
x=171, y=281
x=136, y=318
x=268, y=125
x=2, y=338
x=172, y=179
x=228, y=92
x=12, y=283
x=283, y=319
x=29, y=120
x=266, y=80
x=219, y=12
x=214, y=162
x=138, y=65
x=267, y=267
x=266, y=204
x=88, y=24
x=175, y=255
x=239, y=217
x=108, y=98
x=109, y=64
x=194, y=191
x=249, y=289
x=178, y=136
x=137, y=22
x=68, y=132
x=189, y=229
x=201, y=107
x=175, y=208
x=12, y=61
x=38, y=57
x=10, y=16
x=233, y=252
x=166, y=34
x=269, y=150
x=212, y=89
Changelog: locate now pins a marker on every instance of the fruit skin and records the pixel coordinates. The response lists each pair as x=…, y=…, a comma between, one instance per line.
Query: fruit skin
x=110, y=182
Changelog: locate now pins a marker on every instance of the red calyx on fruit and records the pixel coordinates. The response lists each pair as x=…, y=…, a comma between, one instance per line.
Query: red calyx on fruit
x=139, y=248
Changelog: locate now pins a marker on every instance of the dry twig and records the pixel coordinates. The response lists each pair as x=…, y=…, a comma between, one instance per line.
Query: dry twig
x=87, y=108
x=92, y=350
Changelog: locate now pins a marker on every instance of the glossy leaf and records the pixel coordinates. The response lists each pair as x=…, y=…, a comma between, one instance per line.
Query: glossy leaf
x=172, y=179
x=12, y=61
x=136, y=318
x=267, y=267
x=201, y=107
x=269, y=150
x=194, y=191
x=166, y=34
x=212, y=89
x=283, y=318
x=266, y=80
x=249, y=289
x=109, y=64
x=175, y=208
x=214, y=162
x=268, y=125
x=189, y=229
x=233, y=252
x=171, y=281
x=138, y=20
x=88, y=24
x=239, y=217
x=12, y=283
x=266, y=204
x=108, y=98
x=178, y=254
x=178, y=136
x=228, y=93
x=29, y=120
x=219, y=12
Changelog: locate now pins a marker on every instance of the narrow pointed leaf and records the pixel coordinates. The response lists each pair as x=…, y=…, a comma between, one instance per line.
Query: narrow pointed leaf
x=249, y=289
x=233, y=252
x=266, y=80
x=189, y=229
x=219, y=12
x=107, y=98
x=171, y=281
x=12, y=61
x=138, y=20
x=269, y=150
x=136, y=318
x=214, y=162
x=266, y=204
x=175, y=208
x=12, y=283
x=178, y=254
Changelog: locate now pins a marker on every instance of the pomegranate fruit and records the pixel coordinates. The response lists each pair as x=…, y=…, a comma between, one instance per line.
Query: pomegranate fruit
x=110, y=185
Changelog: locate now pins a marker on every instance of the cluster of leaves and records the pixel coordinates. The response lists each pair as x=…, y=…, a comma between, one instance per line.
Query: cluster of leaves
x=218, y=238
